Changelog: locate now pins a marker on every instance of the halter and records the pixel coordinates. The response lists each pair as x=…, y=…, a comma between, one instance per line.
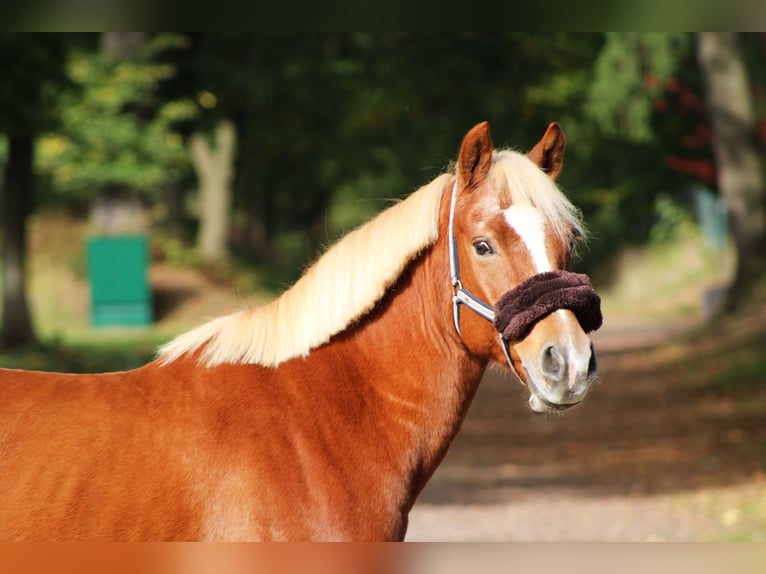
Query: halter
x=461, y=295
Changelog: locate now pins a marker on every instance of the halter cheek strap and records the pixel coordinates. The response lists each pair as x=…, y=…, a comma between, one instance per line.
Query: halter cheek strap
x=461, y=295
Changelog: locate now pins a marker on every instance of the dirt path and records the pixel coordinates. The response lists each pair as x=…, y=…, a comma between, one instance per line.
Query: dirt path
x=650, y=455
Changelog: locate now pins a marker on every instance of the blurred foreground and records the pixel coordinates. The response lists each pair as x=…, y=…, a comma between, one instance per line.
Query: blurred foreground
x=290, y=558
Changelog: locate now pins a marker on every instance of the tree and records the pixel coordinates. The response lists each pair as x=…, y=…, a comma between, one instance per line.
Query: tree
x=623, y=137
x=214, y=162
x=332, y=126
x=739, y=161
x=116, y=134
x=16, y=328
x=630, y=71
x=31, y=77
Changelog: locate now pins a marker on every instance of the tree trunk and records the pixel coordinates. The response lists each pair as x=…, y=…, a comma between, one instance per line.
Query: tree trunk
x=214, y=165
x=16, y=328
x=739, y=163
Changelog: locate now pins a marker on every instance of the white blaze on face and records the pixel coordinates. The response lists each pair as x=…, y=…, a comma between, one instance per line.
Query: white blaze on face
x=528, y=224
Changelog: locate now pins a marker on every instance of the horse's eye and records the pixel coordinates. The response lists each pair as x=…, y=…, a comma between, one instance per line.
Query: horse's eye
x=482, y=247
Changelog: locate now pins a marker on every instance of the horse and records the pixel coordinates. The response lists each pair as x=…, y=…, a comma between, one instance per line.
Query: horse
x=322, y=414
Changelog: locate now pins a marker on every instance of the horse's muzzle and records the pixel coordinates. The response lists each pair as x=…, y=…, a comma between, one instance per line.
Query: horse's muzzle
x=564, y=382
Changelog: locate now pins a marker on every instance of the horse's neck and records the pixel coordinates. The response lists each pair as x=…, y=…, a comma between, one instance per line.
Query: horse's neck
x=417, y=366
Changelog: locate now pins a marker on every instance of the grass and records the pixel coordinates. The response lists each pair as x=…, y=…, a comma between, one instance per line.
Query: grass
x=88, y=357
x=742, y=515
x=664, y=280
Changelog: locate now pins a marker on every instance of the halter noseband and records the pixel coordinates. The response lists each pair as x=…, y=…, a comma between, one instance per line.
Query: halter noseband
x=461, y=295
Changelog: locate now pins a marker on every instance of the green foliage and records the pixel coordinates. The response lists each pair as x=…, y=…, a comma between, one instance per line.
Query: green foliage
x=673, y=220
x=331, y=126
x=630, y=72
x=115, y=130
x=173, y=250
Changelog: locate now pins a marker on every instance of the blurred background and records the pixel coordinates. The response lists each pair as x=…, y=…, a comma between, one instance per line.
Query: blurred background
x=151, y=181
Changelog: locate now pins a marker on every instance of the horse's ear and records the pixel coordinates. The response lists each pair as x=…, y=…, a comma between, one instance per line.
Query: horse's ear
x=549, y=151
x=475, y=156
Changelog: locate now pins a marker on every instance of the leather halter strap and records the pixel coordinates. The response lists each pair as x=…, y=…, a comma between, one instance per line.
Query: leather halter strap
x=461, y=295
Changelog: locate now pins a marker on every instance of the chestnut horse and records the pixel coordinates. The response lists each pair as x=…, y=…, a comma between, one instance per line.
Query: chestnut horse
x=321, y=415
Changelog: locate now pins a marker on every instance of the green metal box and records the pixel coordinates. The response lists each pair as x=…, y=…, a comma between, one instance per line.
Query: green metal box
x=120, y=293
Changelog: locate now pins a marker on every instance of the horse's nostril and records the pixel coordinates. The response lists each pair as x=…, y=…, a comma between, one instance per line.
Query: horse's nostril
x=593, y=363
x=552, y=363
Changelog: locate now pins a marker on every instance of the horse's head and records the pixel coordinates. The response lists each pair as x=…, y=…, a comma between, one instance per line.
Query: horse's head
x=512, y=236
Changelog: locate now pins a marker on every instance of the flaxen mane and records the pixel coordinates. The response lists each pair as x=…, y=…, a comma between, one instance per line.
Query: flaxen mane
x=353, y=275
x=344, y=284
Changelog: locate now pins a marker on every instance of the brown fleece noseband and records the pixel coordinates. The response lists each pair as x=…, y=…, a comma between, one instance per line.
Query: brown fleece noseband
x=521, y=308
